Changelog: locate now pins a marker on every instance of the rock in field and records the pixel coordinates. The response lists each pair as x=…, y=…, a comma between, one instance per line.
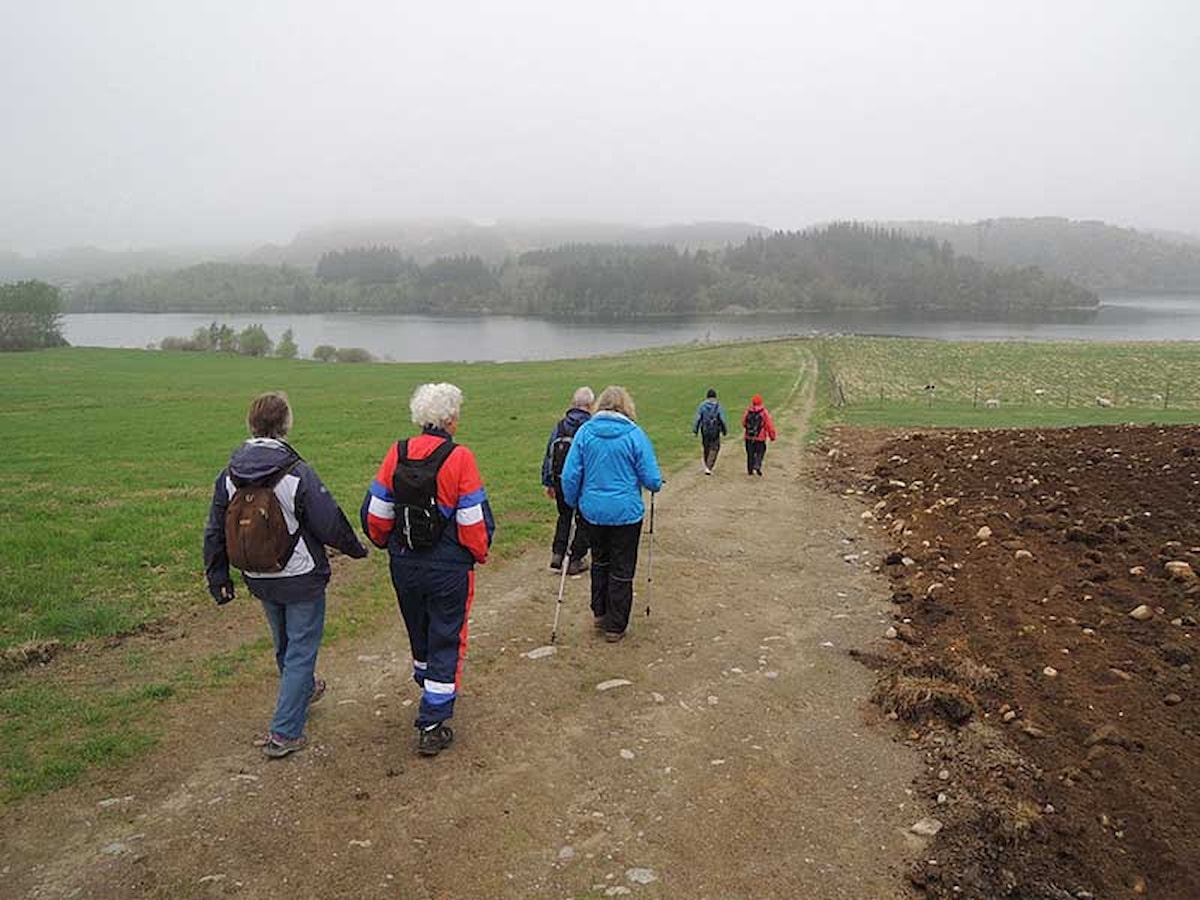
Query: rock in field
x=1179, y=570
x=1141, y=613
x=926, y=827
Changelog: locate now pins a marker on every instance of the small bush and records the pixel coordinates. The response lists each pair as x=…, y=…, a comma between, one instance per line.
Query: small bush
x=352, y=355
x=324, y=352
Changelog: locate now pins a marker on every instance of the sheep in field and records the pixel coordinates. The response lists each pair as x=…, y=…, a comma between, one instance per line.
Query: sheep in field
x=1103, y=402
x=992, y=403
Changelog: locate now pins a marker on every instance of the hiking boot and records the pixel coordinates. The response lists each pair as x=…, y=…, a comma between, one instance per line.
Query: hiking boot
x=278, y=746
x=318, y=692
x=556, y=561
x=433, y=740
x=611, y=637
x=707, y=471
x=577, y=566
x=598, y=623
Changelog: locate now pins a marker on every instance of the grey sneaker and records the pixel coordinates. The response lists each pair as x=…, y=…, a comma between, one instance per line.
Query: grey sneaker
x=577, y=566
x=317, y=693
x=433, y=740
x=278, y=746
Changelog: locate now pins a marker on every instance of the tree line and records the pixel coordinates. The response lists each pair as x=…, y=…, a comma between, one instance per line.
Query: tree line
x=253, y=340
x=838, y=267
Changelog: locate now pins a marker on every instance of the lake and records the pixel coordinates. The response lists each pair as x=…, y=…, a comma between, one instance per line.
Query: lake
x=491, y=338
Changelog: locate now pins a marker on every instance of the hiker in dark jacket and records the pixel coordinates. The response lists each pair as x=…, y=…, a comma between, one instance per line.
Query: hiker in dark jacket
x=611, y=460
x=710, y=425
x=293, y=597
x=758, y=427
x=433, y=572
x=561, y=437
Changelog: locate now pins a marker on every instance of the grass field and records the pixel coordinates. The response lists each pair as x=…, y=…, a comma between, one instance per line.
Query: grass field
x=108, y=471
x=883, y=381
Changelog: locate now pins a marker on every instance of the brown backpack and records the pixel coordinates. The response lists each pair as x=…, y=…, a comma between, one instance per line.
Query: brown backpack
x=256, y=532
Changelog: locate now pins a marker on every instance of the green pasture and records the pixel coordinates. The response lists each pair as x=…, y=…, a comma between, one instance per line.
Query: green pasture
x=109, y=462
x=882, y=381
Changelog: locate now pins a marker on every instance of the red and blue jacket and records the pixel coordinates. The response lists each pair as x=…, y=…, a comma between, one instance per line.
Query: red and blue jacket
x=461, y=499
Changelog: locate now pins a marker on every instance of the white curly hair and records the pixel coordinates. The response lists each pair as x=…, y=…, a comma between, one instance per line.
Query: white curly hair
x=435, y=405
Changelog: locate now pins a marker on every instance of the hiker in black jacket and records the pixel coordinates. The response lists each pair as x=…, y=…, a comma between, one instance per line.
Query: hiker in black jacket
x=292, y=588
x=710, y=424
x=552, y=465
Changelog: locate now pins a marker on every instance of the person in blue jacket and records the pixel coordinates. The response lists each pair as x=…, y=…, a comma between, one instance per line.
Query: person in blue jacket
x=710, y=424
x=610, y=461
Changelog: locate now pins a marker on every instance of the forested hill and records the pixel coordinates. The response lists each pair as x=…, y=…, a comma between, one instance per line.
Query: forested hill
x=1096, y=255
x=842, y=266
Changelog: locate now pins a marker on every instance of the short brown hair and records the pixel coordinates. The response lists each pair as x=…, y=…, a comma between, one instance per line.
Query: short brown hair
x=270, y=415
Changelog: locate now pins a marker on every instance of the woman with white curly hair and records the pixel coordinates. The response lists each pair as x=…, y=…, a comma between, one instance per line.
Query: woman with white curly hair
x=427, y=506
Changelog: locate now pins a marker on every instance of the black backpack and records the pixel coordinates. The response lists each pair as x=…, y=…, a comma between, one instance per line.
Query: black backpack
x=754, y=423
x=559, y=448
x=256, y=532
x=710, y=422
x=419, y=522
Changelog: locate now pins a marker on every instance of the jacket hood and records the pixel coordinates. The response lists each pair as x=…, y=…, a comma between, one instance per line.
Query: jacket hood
x=576, y=416
x=259, y=458
x=608, y=424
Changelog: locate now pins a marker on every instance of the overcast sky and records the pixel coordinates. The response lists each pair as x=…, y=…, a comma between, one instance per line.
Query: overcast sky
x=129, y=124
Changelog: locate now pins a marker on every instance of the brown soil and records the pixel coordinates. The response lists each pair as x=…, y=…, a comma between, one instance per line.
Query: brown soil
x=1065, y=731
x=738, y=762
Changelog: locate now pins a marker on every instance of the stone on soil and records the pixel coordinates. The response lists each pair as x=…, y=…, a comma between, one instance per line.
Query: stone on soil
x=613, y=683
x=926, y=827
x=1141, y=613
x=640, y=876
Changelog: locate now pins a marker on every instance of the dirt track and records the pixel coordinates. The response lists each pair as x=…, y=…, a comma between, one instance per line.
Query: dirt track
x=738, y=763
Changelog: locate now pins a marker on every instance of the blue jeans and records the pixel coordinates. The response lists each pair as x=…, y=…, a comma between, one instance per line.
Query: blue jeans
x=296, y=628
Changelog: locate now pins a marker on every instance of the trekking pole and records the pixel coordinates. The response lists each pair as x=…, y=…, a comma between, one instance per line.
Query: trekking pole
x=650, y=564
x=562, y=582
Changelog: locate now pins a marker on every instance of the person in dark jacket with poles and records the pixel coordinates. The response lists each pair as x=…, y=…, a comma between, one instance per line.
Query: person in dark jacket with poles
x=758, y=427
x=292, y=593
x=561, y=437
x=611, y=460
x=710, y=425
x=433, y=566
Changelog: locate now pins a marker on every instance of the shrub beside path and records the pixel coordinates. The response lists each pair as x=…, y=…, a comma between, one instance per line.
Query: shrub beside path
x=738, y=760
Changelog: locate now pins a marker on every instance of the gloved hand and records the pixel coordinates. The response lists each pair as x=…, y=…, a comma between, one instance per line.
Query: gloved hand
x=222, y=593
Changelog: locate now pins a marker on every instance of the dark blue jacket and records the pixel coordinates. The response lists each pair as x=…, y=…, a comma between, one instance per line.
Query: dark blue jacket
x=307, y=505
x=564, y=427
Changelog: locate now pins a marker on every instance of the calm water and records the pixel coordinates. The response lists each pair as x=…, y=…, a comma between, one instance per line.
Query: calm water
x=433, y=338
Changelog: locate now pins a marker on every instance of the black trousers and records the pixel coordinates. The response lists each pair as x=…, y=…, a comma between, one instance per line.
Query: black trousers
x=562, y=531
x=711, y=449
x=614, y=561
x=755, y=451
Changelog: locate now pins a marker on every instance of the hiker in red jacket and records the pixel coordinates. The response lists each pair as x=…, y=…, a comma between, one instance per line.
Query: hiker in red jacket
x=756, y=422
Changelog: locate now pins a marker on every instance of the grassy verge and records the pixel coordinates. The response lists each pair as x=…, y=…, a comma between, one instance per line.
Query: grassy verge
x=883, y=381
x=108, y=473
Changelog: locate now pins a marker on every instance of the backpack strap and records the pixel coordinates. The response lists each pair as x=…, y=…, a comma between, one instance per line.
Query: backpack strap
x=437, y=457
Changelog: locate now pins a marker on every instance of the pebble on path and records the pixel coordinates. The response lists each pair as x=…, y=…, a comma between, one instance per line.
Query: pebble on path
x=613, y=683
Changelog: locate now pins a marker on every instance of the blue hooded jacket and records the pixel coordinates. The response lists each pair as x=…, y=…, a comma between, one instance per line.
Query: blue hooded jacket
x=611, y=460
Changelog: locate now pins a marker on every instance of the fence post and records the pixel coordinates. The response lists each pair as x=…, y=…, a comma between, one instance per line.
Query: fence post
x=975, y=399
x=881, y=396
x=1167, y=395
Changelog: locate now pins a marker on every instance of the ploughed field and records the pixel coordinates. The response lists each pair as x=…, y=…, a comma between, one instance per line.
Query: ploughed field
x=1044, y=651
